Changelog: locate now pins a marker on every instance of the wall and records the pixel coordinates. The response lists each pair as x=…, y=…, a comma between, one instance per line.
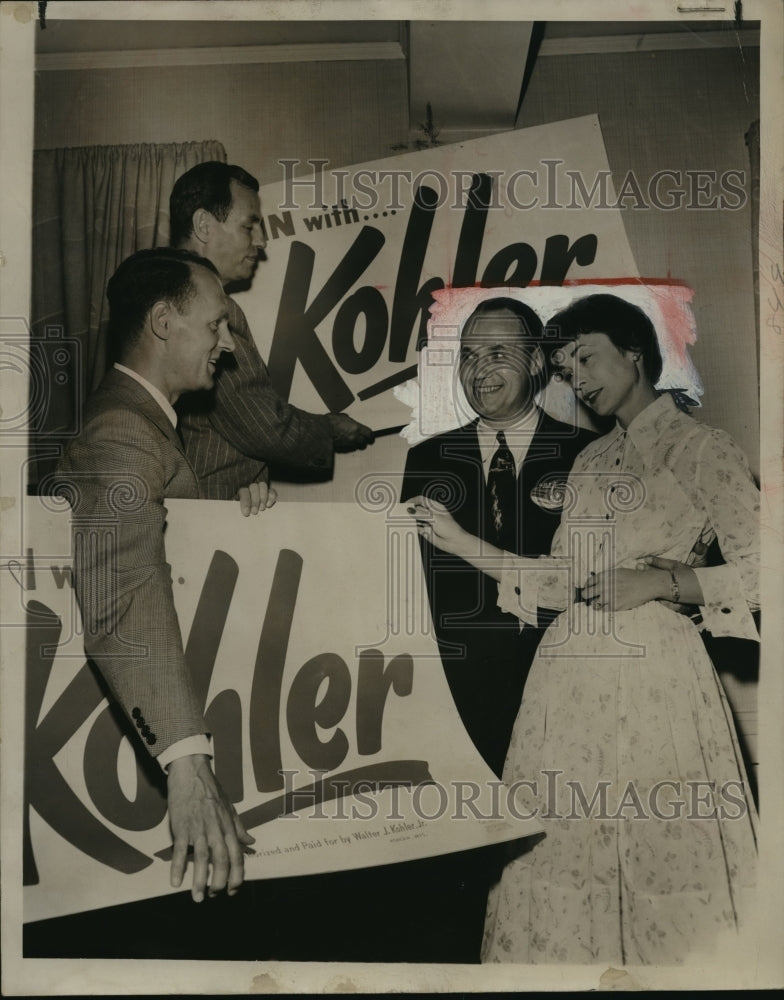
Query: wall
x=346, y=112
x=685, y=110
x=676, y=110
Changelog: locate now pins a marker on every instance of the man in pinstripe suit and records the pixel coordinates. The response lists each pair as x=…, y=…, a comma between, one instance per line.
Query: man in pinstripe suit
x=169, y=326
x=232, y=432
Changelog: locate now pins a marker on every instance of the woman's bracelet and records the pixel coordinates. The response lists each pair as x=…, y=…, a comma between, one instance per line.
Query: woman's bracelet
x=675, y=590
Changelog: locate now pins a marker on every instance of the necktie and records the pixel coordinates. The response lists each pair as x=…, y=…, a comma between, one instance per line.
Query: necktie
x=501, y=497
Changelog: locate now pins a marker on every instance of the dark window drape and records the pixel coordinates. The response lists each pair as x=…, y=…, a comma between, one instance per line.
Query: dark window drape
x=753, y=144
x=92, y=207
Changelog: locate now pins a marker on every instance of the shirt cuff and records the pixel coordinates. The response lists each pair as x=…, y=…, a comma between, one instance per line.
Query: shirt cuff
x=724, y=610
x=184, y=748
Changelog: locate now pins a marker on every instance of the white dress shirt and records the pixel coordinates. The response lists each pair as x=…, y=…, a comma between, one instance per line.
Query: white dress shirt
x=518, y=438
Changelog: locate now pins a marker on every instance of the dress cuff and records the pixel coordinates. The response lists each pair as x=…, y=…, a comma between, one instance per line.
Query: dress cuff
x=184, y=748
x=724, y=609
x=518, y=590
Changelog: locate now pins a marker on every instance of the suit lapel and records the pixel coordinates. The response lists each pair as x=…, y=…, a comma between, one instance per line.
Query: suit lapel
x=529, y=471
x=545, y=458
x=463, y=444
x=135, y=396
x=461, y=457
x=463, y=449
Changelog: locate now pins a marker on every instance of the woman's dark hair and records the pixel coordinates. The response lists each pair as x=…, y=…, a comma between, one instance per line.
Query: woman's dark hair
x=207, y=185
x=626, y=325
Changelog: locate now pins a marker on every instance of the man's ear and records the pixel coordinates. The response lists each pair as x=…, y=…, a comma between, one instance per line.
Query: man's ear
x=160, y=316
x=202, y=224
x=537, y=361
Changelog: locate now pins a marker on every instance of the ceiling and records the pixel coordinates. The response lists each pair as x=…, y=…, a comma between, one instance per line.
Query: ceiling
x=107, y=36
x=473, y=72
x=112, y=36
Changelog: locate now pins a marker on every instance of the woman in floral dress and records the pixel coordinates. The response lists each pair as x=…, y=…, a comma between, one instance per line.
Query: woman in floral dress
x=624, y=744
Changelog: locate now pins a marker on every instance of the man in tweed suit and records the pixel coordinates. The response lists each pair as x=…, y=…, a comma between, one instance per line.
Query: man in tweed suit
x=232, y=432
x=169, y=327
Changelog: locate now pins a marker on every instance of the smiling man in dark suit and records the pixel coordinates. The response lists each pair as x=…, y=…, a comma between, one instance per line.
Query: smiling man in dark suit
x=169, y=328
x=502, y=477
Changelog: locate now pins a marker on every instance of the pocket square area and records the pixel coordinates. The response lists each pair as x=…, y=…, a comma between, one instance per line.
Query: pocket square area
x=549, y=493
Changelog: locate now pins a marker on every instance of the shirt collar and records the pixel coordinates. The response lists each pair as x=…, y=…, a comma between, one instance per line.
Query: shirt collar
x=527, y=424
x=658, y=426
x=518, y=435
x=651, y=430
x=154, y=391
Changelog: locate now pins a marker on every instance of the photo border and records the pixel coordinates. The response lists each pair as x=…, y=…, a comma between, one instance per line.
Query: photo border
x=763, y=965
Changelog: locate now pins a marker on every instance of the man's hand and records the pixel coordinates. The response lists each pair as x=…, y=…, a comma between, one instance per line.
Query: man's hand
x=256, y=497
x=201, y=816
x=347, y=434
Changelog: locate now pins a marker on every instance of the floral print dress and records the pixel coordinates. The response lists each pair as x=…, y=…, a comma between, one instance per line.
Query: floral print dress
x=624, y=744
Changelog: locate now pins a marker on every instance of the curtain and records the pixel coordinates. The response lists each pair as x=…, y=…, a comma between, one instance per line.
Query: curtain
x=92, y=207
x=753, y=143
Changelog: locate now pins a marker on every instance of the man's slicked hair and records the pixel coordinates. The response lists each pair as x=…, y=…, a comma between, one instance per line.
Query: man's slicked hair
x=164, y=274
x=530, y=324
x=207, y=186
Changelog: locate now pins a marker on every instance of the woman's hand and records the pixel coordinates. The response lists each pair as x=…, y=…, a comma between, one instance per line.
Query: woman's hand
x=624, y=589
x=657, y=562
x=436, y=524
x=688, y=584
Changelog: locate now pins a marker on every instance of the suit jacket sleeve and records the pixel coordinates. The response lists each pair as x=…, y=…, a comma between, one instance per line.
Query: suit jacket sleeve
x=415, y=476
x=250, y=415
x=123, y=582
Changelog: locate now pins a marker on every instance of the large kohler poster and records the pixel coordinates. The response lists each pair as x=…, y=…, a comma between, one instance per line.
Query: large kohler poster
x=334, y=731
x=310, y=638
x=308, y=630
x=355, y=256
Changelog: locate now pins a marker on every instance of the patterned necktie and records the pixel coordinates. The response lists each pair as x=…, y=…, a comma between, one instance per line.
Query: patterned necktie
x=501, y=497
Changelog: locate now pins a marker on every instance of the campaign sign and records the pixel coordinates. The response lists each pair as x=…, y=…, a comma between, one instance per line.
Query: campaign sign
x=356, y=255
x=309, y=640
